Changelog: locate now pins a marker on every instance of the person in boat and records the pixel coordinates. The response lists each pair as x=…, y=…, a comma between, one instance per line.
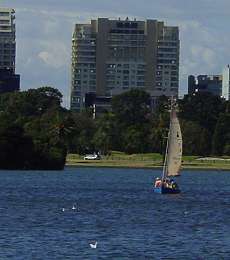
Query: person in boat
x=169, y=183
x=166, y=183
x=173, y=184
x=157, y=182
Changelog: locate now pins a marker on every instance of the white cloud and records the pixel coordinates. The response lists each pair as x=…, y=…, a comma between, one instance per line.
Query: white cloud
x=55, y=54
x=49, y=59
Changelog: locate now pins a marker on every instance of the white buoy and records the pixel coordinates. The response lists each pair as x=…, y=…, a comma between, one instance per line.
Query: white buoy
x=63, y=209
x=73, y=208
x=93, y=245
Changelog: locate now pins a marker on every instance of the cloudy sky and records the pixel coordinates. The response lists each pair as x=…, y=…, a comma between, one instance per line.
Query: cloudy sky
x=44, y=30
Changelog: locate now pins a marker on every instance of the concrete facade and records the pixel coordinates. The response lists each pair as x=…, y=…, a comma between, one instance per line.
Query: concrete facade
x=112, y=56
x=226, y=83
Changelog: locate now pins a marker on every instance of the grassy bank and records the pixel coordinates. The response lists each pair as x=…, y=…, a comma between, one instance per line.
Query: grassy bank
x=149, y=160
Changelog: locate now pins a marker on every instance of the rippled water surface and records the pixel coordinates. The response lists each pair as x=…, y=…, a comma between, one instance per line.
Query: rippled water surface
x=118, y=209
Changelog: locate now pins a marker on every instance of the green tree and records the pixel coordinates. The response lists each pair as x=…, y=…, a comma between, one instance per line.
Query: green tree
x=16, y=149
x=81, y=139
x=132, y=115
x=202, y=108
x=34, y=111
x=135, y=141
x=131, y=107
x=221, y=137
x=105, y=136
x=196, y=139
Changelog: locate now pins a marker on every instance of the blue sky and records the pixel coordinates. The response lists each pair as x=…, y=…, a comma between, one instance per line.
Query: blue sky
x=44, y=30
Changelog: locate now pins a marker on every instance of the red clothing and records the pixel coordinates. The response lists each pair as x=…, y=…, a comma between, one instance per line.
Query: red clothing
x=157, y=183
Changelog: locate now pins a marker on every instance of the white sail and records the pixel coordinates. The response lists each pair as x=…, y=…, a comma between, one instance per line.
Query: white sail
x=174, y=153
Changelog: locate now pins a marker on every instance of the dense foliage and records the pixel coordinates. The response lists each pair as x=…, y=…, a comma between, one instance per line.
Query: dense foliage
x=32, y=130
x=132, y=127
x=36, y=132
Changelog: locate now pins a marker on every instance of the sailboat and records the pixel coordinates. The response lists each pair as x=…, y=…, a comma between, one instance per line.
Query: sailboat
x=173, y=156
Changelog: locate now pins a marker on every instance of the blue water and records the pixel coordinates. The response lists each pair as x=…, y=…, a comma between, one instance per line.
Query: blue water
x=117, y=208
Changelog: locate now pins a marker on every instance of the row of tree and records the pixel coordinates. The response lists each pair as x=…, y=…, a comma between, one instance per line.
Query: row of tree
x=36, y=132
x=132, y=127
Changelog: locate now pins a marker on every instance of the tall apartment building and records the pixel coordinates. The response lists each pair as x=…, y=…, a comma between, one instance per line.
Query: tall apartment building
x=226, y=83
x=7, y=39
x=8, y=80
x=112, y=56
x=205, y=83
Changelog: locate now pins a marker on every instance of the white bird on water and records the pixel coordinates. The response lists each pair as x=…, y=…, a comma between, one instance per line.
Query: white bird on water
x=73, y=208
x=93, y=245
x=63, y=209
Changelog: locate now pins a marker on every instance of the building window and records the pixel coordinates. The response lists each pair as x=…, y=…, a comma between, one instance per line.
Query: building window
x=125, y=83
x=140, y=84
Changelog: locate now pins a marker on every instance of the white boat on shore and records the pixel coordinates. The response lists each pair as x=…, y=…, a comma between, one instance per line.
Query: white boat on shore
x=92, y=157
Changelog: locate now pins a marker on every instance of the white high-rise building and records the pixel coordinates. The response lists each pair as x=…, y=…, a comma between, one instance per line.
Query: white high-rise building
x=226, y=83
x=113, y=56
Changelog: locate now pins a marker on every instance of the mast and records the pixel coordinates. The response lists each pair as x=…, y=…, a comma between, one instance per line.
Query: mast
x=164, y=174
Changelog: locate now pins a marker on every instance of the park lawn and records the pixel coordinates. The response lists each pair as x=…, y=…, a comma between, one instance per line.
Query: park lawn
x=118, y=159
x=148, y=160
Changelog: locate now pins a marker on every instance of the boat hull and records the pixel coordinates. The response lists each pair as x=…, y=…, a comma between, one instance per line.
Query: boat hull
x=165, y=190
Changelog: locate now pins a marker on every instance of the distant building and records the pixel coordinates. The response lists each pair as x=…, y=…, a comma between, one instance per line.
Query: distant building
x=113, y=56
x=7, y=39
x=226, y=83
x=205, y=83
x=97, y=104
x=8, y=80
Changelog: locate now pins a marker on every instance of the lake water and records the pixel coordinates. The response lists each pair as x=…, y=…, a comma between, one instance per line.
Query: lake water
x=118, y=209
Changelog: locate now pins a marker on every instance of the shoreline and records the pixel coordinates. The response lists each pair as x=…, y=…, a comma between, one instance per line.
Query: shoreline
x=146, y=168
x=147, y=161
x=154, y=167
